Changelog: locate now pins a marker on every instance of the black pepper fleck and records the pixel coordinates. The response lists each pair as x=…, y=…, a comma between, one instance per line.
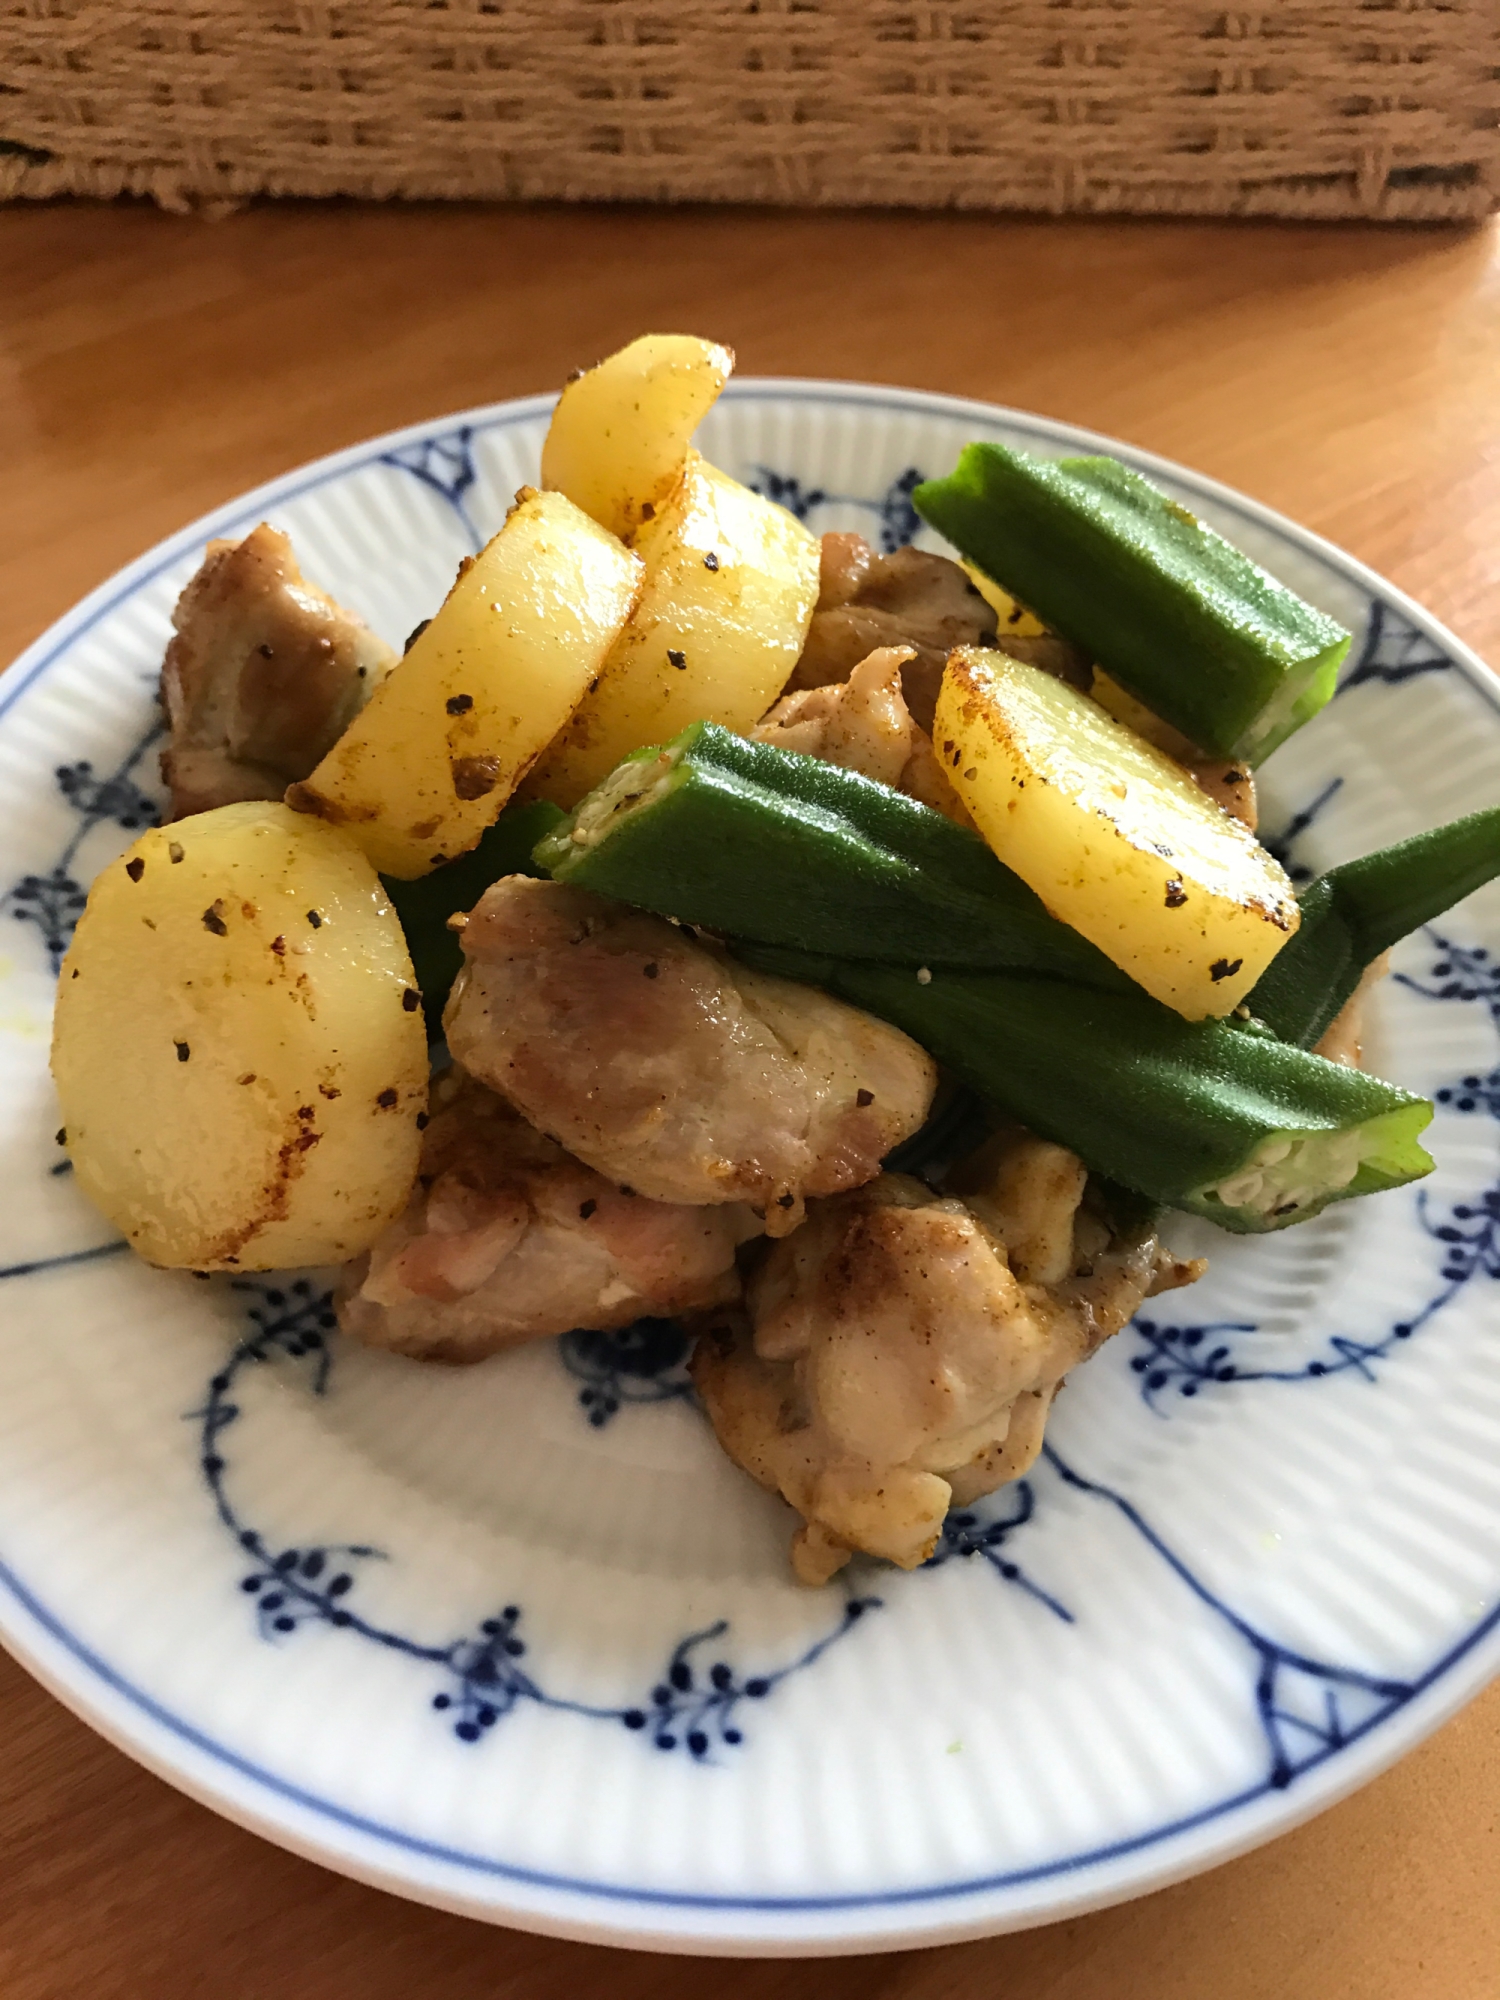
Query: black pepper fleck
x=315, y=920
x=62, y=1135
x=785, y=1200
x=651, y=970
x=1224, y=968
x=586, y=1208
x=212, y=921
x=710, y=561
x=411, y=1000
x=1176, y=896
x=386, y=1098
x=423, y=1121
x=626, y=1190
x=648, y=510
x=864, y=1097
x=677, y=658
x=460, y=704
x=183, y=1051
x=135, y=869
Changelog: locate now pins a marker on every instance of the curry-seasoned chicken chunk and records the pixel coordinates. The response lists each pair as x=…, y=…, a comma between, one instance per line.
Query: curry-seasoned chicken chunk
x=894, y=1362
x=864, y=725
x=263, y=674
x=506, y=1238
x=667, y=1066
x=908, y=598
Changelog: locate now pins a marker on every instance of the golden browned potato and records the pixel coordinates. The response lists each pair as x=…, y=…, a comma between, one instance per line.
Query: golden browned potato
x=1114, y=836
x=1014, y=618
x=429, y=762
x=620, y=433
x=238, y=1046
x=731, y=581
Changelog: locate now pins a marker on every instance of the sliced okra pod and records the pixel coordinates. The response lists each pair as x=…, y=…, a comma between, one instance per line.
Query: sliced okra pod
x=1215, y=1117
x=1355, y=912
x=1205, y=637
x=753, y=841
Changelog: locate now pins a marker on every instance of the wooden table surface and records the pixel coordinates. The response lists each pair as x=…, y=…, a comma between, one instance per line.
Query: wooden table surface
x=151, y=367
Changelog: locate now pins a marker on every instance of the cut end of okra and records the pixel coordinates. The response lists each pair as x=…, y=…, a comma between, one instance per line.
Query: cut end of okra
x=1206, y=638
x=1291, y=1176
x=640, y=781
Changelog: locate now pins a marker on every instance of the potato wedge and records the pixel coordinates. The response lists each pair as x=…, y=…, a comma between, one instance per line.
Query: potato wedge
x=1014, y=618
x=1114, y=837
x=620, y=433
x=238, y=1047
x=731, y=581
x=426, y=766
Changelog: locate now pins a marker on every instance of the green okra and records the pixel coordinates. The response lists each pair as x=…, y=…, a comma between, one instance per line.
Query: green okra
x=1205, y=637
x=1355, y=912
x=1223, y=1120
x=424, y=906
x=747, y=839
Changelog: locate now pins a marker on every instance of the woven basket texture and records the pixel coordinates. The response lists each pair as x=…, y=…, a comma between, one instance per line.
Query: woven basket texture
x=1386, y=109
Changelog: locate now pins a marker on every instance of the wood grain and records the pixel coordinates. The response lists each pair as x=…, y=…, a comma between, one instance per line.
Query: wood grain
x=151, y=367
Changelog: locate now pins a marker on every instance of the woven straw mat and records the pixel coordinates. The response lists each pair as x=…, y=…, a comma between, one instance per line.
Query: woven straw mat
x=1386, y=109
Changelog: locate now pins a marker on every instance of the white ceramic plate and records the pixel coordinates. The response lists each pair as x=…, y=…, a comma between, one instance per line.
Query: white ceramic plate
x=519, y=1641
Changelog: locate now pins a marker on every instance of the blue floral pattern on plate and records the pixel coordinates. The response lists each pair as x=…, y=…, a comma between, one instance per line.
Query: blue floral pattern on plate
x=300, y=1583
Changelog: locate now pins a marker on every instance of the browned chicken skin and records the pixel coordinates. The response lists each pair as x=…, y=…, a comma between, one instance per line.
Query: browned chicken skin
x=864, y=725
x=667, y=1066
x=910, y=598
x=507, y=1238
x=263, y=674
x=900, y=1353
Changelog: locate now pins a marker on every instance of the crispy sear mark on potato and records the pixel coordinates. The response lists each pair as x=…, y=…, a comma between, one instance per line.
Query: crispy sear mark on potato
x=263, y=673
x=473, y=777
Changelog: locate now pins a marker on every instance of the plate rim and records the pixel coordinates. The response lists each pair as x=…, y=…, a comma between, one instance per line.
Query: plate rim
x=233, y=1785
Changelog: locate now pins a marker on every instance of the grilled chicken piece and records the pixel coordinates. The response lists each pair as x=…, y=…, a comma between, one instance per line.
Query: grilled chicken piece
x=506, y=1238
x=894, y=1362
x=864, y=725
x=910, y=598
x=1343, y=1040
x=667, y=1066
x=263, y=674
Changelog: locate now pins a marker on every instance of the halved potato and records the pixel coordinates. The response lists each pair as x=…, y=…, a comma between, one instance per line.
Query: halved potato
x=1114, y=837
x=620, y=433
x=238, y=1045
x=427, y=765
x=731, y=581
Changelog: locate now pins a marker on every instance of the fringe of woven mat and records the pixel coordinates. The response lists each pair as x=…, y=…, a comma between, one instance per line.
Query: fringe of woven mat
x=1380, y=109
